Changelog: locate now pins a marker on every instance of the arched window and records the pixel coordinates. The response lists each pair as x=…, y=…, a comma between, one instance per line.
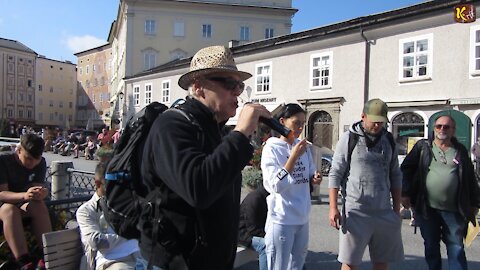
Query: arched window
x=404, y=126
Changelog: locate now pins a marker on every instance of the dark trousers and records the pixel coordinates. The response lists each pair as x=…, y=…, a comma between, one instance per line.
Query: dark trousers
x=448, y=227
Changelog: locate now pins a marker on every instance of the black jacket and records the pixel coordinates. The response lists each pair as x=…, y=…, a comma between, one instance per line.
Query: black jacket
x=415, y=170
x=202, y=171
x=253, y=214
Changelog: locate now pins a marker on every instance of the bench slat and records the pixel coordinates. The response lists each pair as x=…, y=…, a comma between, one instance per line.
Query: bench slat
x=58, y=237
x=52, y=255
x=63, y=249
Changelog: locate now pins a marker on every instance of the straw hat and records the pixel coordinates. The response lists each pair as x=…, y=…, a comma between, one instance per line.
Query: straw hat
x=211, y=60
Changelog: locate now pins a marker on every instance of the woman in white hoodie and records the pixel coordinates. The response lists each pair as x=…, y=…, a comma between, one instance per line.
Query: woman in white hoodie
x=288, y=168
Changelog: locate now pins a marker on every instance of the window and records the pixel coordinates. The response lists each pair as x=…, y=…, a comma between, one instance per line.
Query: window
x=150, y=27
x=404, y=126
x=207, y=30
x=51, y=89
x=136, y=95
x=244, y=33
x=178, y=29
x=94, y=67
x=51, y=103
x=475, y=50
x=93, y=98
x=20, y=113
x=80, y=70
x=60, y=104
x=10, y=112
x=40, y=87
x=20, y=97
x=149, y=60
x=51, y=116
x=87, y=67
x=321, y=70
x=148, y=94
x=29, y=98
x=263, y=74
x=29, y=113
x=29, y=83
x=70, y=104
x=268, y=32
x=166, y=91
x=416, y=58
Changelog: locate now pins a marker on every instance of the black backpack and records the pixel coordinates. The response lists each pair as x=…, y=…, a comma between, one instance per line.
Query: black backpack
x=126, y=195
x=125, y=191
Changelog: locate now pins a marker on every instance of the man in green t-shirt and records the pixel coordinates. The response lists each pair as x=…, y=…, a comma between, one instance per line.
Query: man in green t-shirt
x=439, y=182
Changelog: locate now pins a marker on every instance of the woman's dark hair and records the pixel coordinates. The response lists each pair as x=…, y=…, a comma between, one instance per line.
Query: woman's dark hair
x=289, y=110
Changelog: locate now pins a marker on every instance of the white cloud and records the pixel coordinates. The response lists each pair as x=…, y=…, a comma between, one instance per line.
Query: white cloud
x=82, y=43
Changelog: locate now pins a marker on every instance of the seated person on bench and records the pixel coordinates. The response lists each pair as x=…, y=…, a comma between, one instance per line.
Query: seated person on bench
x=104, y=248
x=22, y=194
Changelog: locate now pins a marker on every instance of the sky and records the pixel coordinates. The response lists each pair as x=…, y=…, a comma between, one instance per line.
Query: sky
x=59, y=28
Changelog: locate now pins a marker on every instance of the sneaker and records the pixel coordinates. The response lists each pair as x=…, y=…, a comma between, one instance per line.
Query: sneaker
x=41, y=265
x=413, y=222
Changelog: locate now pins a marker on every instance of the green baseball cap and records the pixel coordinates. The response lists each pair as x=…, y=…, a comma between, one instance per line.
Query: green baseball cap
x=376, y=110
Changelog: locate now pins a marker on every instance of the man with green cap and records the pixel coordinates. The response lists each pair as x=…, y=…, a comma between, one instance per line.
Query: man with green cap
x=369, y=176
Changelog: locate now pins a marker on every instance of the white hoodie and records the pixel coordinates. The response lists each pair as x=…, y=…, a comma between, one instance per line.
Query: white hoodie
x=289, y=199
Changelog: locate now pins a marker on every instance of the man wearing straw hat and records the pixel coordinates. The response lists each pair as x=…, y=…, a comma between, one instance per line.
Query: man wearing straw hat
x=197, y=167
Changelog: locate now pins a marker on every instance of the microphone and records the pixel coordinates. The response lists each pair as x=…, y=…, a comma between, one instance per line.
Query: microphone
x=277, y=126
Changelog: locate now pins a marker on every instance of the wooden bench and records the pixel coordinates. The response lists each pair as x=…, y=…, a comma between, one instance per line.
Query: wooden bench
x=62, y=249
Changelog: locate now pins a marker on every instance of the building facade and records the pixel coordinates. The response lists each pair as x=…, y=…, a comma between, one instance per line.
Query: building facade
x=94, y=68
x=55, y=95
x=149, y=33
x=418, y=59
x=17, y=83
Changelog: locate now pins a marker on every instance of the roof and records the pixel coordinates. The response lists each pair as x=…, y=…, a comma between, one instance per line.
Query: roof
x=15, y=45
x=363, y=22
x=98, y=48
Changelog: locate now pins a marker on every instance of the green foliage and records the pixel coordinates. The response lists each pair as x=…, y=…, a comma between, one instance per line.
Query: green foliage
x=104, y=153
x=252, y=178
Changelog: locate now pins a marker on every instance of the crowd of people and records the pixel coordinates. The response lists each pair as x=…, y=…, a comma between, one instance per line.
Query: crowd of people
x=197, y=168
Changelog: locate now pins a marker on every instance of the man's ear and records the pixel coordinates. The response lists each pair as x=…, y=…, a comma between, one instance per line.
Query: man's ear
x=198, y=89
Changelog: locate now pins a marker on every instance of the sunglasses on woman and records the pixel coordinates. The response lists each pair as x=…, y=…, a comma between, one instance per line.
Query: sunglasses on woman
x=229, y=83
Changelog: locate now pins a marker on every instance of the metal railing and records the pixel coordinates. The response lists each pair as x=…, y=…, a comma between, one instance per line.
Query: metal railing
x=80, y=188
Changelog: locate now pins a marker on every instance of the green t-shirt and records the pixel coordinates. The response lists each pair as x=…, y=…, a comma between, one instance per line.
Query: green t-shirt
x=442, y=180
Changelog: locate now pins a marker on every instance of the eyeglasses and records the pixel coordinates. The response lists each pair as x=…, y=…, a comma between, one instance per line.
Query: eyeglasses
x=229, y=83
x=446, y=127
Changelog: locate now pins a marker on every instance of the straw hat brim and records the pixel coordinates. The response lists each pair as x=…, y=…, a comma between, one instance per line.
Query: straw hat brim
x=186, y=79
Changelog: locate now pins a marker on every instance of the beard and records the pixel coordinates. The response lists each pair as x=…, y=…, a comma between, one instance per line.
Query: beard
x=441, y=136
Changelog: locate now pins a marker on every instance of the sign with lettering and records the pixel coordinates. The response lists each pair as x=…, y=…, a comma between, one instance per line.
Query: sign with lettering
x=263, y=100
x=464, y=13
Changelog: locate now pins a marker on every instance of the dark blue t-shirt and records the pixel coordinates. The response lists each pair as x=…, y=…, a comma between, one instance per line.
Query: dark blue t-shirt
x=18, y=177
